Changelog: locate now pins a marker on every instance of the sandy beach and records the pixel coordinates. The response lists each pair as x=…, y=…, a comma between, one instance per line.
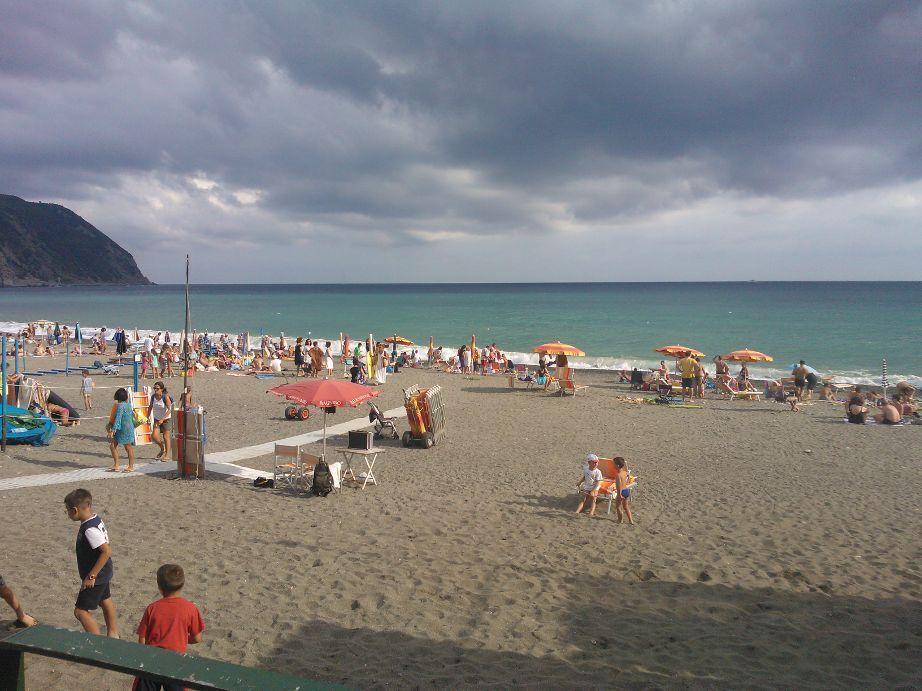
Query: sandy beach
x=772, y=548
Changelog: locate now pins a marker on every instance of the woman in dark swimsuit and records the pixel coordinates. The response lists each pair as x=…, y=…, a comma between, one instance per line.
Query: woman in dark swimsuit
x=855, y=408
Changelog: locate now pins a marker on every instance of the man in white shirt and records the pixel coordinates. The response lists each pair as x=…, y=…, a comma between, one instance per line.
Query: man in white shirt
x=589, y=483
x=148, y=344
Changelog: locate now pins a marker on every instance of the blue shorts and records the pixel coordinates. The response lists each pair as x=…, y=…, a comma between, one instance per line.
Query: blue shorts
x=89, y=598
x=688, y=382
x=626, y=493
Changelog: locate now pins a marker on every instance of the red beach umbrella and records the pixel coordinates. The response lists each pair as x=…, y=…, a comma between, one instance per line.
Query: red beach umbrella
x=325, y=393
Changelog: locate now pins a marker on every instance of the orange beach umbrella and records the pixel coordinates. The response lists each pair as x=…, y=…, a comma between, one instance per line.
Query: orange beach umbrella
x=399, y=340
x=747, y=355
x=558, y=348
x=678, y=351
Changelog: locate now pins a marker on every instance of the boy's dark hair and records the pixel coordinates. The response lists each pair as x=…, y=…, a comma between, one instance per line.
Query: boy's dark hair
x=170, y=578
x=77, y=499
x=85, y=372
x=121, y=395
x=618, y=461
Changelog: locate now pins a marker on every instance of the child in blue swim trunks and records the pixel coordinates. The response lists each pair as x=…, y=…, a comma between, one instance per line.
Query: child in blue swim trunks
x=623, y=502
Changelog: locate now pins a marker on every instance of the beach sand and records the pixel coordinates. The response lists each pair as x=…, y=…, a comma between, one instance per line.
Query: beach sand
x=771, y=548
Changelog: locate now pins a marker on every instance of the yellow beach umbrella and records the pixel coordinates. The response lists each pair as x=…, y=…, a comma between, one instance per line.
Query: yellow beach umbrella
x=747, y=355
x=399, y=340
x=678, y=351
x=558, y=348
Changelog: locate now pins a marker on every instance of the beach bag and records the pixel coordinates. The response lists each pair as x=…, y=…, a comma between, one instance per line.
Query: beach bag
x=138, y=418
x=323, y=479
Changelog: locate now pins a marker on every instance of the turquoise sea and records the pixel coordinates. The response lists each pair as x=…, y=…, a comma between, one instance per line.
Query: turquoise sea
x=840, y=328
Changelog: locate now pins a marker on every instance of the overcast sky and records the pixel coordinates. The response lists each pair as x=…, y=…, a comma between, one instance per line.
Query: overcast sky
x=475, y=141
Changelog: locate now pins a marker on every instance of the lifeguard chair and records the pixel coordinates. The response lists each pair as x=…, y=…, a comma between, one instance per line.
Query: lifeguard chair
x=425, y=415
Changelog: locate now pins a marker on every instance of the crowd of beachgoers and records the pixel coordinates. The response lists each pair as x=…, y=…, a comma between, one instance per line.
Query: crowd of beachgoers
x=368, y=361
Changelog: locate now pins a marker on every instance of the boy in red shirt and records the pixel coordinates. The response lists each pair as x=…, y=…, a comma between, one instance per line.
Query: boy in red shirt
x=171, y=622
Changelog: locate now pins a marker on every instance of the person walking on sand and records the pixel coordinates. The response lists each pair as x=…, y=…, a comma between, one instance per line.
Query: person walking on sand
x=623, y=501
x=94, y=564
x=86, y=388
x=23, y=620
x=121, y=430
x=160, y=413
x=589, y=484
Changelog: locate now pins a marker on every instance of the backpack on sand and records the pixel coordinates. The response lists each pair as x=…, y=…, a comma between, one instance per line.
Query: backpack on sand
x=323, y=479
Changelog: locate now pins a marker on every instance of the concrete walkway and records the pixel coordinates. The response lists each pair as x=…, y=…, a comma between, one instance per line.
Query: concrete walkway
x=222, y=462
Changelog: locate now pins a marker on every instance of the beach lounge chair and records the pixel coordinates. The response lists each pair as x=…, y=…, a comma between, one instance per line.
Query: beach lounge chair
x=565, y=382
x=541, y=381
x=748, y=395
x=287, y=468
x=609, y=488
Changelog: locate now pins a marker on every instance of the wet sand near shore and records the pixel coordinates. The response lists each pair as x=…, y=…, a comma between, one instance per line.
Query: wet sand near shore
x=771, y=548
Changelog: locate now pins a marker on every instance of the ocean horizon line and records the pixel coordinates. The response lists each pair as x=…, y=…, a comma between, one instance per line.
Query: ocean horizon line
x=474, y=283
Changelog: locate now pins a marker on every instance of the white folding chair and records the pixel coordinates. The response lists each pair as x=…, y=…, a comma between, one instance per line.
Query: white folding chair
x=287, y=470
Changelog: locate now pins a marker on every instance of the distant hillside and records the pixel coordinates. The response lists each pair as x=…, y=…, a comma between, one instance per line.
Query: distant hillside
x=47, y=244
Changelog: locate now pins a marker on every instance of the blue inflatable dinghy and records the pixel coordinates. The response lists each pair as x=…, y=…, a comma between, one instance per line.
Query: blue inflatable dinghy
x=25, y=427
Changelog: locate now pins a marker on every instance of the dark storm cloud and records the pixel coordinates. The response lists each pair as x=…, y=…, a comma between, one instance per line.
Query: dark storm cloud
x=474, y=117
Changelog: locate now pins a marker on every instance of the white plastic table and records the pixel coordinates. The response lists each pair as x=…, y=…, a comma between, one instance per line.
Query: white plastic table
x=369, y=456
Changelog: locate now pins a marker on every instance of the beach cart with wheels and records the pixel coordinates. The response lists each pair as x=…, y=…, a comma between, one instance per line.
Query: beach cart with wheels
x=297, y=412
x=425, y=415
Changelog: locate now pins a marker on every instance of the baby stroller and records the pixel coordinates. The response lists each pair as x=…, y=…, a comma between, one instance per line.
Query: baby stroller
x=383, y=425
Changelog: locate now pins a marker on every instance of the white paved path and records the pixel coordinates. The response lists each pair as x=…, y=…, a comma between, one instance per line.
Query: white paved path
x=223, y=462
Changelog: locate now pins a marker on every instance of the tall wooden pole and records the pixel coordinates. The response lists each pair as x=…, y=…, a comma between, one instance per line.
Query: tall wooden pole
x=3, y=397
x=185, y=378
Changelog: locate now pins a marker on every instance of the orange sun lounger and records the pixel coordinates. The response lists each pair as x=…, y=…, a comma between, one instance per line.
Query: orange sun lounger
x=609, y=487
